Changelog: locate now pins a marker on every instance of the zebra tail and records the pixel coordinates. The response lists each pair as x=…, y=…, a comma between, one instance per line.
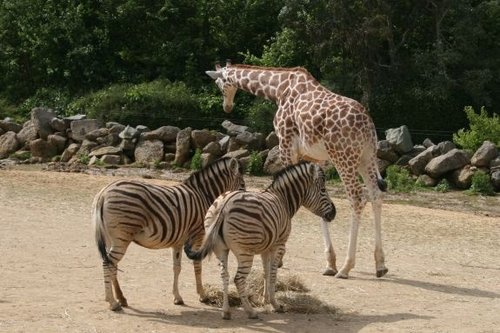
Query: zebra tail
x=382, y=185
x=211, y=237
x=99, y=232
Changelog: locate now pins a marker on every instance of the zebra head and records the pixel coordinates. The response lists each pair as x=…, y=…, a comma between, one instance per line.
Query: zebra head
x=317, y=199
x=226, y=86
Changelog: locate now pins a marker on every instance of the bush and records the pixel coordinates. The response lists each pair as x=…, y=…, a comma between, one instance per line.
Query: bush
x=259, y=116
x=443, y=186
x=399, y=179
x=481, y=184
x=196, y=163
x=9, y=110
x=255, y=165
x=332, y=174
x=482, y=128
x=152, y=104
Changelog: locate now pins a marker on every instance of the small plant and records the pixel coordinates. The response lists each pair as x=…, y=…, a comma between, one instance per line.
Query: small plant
x=84, y=158
x=21, y=155
x=481, y=184
x=443, y=186
x=399, y=179
x=255, y=165
x=482, y=128
x=196, y=162
x=332, y=174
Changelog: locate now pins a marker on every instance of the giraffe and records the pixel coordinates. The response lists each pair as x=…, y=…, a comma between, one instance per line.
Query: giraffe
x=315, y=124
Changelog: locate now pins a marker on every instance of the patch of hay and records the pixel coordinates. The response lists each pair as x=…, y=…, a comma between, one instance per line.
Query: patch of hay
x=290, y=291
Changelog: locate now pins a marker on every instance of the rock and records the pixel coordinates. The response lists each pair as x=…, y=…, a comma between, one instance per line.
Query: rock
x=418, y=163
x=170, y=147
x=238, y=153
x=213, y=148
x=115, y=128
x=224, y=143
x=8, y=144
x=385, y=151
x=201, y=138
x=169, y=157
x=206, y=159
x=252, y=141
x=142, y=129
x=400, y=139
x=495, y=164
x=111, y=159
x=183, y=145
x=383, y=165
x=129, y=133
x=167, y=134
x=446, y=146
x=8, y=125
x=86, y=147
x=272, y=140
x=148, y=151
x=273, y=161
x=233, y=129
x=43, y=149
x=80, y=128
x=41, y=119
x=485, y=154
x=58, y=125
x=127, y=145
x=427, y=143
x=452, y=160
x=28, y=133
x=69, y=152
x=57, y=141
x=107, y=150
x=427, y=180
x=403, y=160
x=462, y=178
x=495, y=180
x=233, y=145
x=2, y=132
x=97, y=133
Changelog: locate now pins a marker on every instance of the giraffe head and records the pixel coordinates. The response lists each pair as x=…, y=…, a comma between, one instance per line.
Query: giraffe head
x=225, y=85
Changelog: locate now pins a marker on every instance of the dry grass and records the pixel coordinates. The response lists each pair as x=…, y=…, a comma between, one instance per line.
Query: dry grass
x=290, y=291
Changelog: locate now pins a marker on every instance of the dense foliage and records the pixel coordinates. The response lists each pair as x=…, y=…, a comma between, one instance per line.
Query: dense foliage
x=410, y=62
x=481, y=128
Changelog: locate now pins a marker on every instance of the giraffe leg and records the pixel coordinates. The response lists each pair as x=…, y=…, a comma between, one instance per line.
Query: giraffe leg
x=176, y=254
x=331, y=267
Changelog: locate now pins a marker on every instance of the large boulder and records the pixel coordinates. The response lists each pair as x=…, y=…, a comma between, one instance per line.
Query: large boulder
x=8, y=144
x=233, y=129
x=69, y=152
x=41, y=119
x=400, y=139
x=237, y=153
x=201, y=138
x=57, y=141
x=28, y=133
x=418, y=163
x=167, y=134
x=452, y=160
x=148, y=151
x=272, y=140
x=462, y=178
x=495, y=180
x=106, y=150
x=58, y=125
x=97, y=133
x=206, y=159
x=385, y=151
x=80, y=128
x=213, y=148
x=42, y=149
x=183, y=145
x=111, y=159
x=129, y=133
x=485, y=154
x=8, y=125
x=273, y=161
x=252, y=141
x=446, y=146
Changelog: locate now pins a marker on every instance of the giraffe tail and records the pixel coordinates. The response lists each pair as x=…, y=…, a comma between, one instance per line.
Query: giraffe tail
x=382, y=184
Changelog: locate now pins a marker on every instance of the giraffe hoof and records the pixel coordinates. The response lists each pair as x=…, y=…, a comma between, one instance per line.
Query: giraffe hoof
x=340, y=275
x=226, y=315
x=330, y=272
x=123, y=302
x=178, y=302
x=204, y=299
x=382, y=272
x=115, y=307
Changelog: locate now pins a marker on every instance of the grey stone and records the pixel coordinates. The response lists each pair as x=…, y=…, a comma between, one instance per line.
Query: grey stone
x=252, y=141
x=418, y=163
x=115, y=128
x=127, y=144
x=97, y=133
x=272, y=140
x=462, y=178
x=495, y=164
x=233, y=144
x=170, y=147
x=382, y=165
x=111, y=159
x=237, y=153
x=427, y=143
x=28, y=133
x=233, y=129
x=169, y=157
x=2, y=132
x=57, y=141
x=427, y=180
x=183, y=145
x=400, y=138
x=86, y=147
x=41, y=119
x=79, y=128
x=446, y=146
x=206, y=159
x=142, y=129
x=273, y=161
x=385, y=151
x=129, y=133
x=201, y=138
x=8, y=125
x=58, y=125
x=213, y=148
x=167, y=134
x=107, y=150
x=8, y=144
x=452, y=160
x=495, y=180
x=42, y=149
x=69, y=152
x=224, y=143
x=148, y=151
x=485, y=154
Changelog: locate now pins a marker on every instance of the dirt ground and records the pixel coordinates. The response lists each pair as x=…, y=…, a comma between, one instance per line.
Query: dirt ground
x=442, y=251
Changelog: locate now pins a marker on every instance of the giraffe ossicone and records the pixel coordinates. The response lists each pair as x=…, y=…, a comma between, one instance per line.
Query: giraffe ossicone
x=313, y=123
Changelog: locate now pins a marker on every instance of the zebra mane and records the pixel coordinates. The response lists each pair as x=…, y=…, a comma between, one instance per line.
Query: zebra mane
x=283, y=171
x=209, y=166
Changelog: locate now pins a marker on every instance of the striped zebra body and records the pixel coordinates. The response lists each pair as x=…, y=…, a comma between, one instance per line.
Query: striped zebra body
x=157, y=217
x=250, y=223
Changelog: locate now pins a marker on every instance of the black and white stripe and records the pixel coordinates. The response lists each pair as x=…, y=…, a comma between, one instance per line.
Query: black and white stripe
x=249, y=223
x=157, y=217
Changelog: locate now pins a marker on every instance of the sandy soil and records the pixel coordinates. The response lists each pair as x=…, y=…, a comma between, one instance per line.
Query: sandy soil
x=444, y=267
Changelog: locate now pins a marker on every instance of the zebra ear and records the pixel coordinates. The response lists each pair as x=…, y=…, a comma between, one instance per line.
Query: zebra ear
x=234, y=165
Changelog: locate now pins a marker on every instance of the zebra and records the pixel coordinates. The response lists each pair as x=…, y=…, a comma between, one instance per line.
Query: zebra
x=250, y=223
x=157, y=217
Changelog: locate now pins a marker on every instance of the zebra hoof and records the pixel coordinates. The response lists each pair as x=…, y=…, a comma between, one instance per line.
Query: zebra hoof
x=382, y=272
x=115, y=307
x=226, y=315
x=340, y=275
x=178, y=302
x=204, y=299
x=330, y=272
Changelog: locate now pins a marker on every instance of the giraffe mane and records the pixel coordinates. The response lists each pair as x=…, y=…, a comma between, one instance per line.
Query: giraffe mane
x=275, y=69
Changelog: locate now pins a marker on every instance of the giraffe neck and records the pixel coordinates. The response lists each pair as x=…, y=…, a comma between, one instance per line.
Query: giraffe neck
x=270, y=83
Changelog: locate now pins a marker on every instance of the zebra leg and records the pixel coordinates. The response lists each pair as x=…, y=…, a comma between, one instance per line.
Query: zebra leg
x=109, y=271
x=199, y=284
x=331, y=267
x=276, y=257
x=245, y=262
x=266, y=265
x=222, y=255
x=115, y=254
x=176, y=255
